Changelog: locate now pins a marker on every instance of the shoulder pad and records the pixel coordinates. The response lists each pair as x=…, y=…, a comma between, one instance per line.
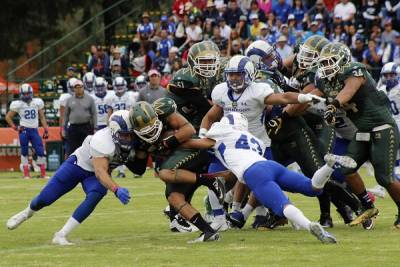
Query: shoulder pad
x=218, y=90
x=164, y=107
x=102, y=143
x=217, y=131
x=184, y=79
x=353, y=69
x=39, y=102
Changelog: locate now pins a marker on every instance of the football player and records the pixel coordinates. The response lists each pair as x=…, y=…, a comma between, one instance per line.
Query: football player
x=100, y=96
x=353, y=89
x=180, y=169
x=243, y=154
x=89, y=165
x=30, y=109
x=120, y=100
x=88, y=82
x=240, y=93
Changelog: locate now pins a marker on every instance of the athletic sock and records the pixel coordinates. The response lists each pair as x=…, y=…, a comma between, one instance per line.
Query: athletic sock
x=366, y=202
x=214, y=203
x=236, y=205
x=321, y=176
x=261, y=211
x=42, y=170
x=70, y=225
x=29, y=211
x=247, y=210
x=26, y=170
x=297, y=217
x=200, y=223
x=203, y=180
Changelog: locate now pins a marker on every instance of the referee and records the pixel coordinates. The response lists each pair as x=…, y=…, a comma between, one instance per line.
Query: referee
x=80, y=115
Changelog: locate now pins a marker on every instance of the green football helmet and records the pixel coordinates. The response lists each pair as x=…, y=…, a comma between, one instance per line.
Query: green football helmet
x=203, y=59
x=332, y=59
x=164, y=106
x=145, y=122
x=310, y=50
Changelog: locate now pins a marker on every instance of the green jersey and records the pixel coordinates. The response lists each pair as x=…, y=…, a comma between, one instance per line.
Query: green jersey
x=368, y=107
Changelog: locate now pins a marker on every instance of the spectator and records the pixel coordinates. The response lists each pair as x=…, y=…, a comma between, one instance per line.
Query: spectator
x=211, y=12
x=219, y=40
x=193, y=31
x=116, y=70
x=313, y=31
x=346, y=10
x=266, y=35
x=146, y=28
x=370, y=12
x=180, y=32
x=208, y=28
x=388, y=35
x=225, y=29
x=393, y=9
x=100, y=63
x=339, y=35
x=352, y=36
x=71, y=73
x=255, y=28
x=376, y=34
x=164, y=44
x=199, y=4
x=221, y=7
x=283, y=48
x=290, y=37
x=236, y=48
x=176, y=65
x=167, y=25
x=254, y=10
x=81, y=116
x=372, y=58
x=232, y=14
x=392, y=51
x=318, y=8
x=358, y=51
x=245, y=5
x=292, y=24
x=282, y=10
x=178, y=8
x=265, y=5
x=172, y=55
x=298, y=11
x=166, y=77
x=243, y=29
x=153, y=90
x=116, y=55
x=321, y=25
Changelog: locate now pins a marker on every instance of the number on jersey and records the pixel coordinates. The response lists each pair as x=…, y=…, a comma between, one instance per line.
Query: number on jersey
x=393, y=108
x=243, y=143
x=30, y=114
x=120, y=106
x=102, y=109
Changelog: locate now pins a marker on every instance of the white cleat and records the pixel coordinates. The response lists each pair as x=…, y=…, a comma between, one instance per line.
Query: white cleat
x=335, y=161
x=219, y=224
x=318, y=231
x=378, y=191
x=17, y=219
x=60, y=240
x=206, y=237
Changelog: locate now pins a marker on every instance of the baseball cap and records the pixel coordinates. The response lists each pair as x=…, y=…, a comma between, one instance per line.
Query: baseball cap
x=145, y=15
x=77, y=82
x=282, y=38
x=314, y=23
x=284, y=26
x=253, y=16
x=291, y=16
x=264, y=27
x=164, y=18
x=174, y=49
x=71, y=68
x=210, y=3
x=318, y=16
x=243, y=17
x=154, y=71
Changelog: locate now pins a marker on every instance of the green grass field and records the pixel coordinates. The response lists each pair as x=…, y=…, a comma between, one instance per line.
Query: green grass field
x=138, y=234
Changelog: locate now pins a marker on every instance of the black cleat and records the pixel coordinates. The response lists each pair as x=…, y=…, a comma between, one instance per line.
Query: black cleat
x=346, y=213
x=326, y=220
x=218, y=188
x=396, y=224
x=260, y=223
x=206, y=237
x=274, y=221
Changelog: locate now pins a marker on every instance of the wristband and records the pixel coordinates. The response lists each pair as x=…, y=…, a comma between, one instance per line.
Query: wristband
x=202, y=132
x=285, y=115
x=172, y=142
x=114, y=189
x=335, y=103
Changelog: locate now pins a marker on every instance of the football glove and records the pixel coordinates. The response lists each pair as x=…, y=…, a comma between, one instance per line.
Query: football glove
x=123, y=195
x=305, y=98
x=45, y=134
x=330, y=114
x=273, y=126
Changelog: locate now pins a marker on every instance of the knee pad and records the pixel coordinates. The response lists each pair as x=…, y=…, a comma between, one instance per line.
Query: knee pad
x=41, y=160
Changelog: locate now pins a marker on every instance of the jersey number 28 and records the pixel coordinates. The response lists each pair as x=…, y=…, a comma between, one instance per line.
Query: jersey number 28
x=30, y=114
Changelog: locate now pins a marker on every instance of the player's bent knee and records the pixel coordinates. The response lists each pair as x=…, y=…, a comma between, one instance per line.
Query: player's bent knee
x=384, y=181
x=176, y=199
x=167, y=175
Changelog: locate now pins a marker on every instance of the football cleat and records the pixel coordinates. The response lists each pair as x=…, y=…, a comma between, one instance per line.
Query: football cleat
x=326, y=220
x=364, y=215
x=179, y=224
x=318, y=231
x=335, y=161
x=378, y=191
x=17, y=219
x=368, y=224
x=219, y=224
x=396, y=224
x=260, y=223
x=236, y=219
x=206, y=237
x=61, y=240
x=218, y=188
x=121, y=175
x=346, y=213
x=274, y=221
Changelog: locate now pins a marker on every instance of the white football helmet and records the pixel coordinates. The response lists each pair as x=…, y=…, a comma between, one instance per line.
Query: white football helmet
x=237, y=120
x=121, y=129
x=120, y=86
x=26, y=92
x=264, y=56
x=88, y=81
x=70, y=86
x=390, y=75
x=239, y=73
x=140, y=82
x=100, y=87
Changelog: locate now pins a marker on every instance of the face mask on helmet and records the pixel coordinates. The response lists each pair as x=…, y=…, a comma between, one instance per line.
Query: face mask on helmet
x=69, y=85
x=121, y=130
x=306, y=57
x=328, y=67
x=237, y=81
x=119, y=86
x=88, y=82
x=100, y=90
x=206, y=66
x=390, y=80
x=150, y=133
x=272, y=62
x=26, y=92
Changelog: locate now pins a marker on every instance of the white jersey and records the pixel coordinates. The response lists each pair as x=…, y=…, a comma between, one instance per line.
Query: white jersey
x=250, y=103
x=124, y=102
x=237, y=150
x=101, y=108
x=394, y=98
x=28, y=112
x=63, y=99
x=100, y=145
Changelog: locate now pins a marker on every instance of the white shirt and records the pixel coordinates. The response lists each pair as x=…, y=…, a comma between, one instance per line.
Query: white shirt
x=394, y=98
x=285, y=52
x=28, y=112
x=63, y=99
x=226, y=31
x=345, y=11
x=250, y=103
x=124, y=102
x=237, y=150
x=194, y=34
x=101, y=108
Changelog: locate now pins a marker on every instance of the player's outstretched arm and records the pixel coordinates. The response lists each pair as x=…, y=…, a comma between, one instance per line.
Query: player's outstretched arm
x=204, y=143
x=291, y=98
x=185, y=129
x=213, y=115
x=100, y=165
x=351, y=86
